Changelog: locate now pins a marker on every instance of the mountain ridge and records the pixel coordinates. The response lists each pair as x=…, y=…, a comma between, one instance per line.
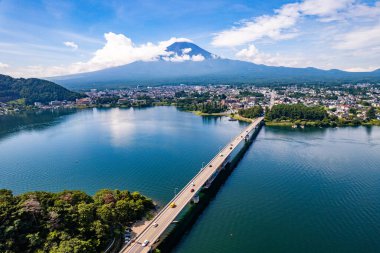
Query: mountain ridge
x=183, y=69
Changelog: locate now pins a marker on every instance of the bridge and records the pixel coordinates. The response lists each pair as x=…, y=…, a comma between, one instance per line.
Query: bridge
x=157, y=226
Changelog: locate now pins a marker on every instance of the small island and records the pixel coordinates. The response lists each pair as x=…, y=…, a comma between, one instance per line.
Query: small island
x=68, y=221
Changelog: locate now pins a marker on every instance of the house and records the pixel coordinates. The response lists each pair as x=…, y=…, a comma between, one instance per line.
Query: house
x=83, y=101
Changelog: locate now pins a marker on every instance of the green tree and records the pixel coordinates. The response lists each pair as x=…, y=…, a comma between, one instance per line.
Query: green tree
x=68, y=221
x=371, y=113
x=252, y=112
x=74, y=245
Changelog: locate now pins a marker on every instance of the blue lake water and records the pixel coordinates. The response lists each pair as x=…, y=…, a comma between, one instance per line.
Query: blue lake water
x=295, y=190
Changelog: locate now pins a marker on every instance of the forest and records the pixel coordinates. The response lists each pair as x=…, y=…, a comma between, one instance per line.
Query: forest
x=68, y=221
x=33, y=90
x=296, y=112
x=252, y=112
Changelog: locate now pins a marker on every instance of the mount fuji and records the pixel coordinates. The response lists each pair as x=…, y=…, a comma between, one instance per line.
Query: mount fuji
x=187, y=63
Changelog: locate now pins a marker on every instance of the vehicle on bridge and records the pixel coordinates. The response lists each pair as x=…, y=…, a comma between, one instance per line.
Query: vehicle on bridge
x=145, y=243
x=173, y=205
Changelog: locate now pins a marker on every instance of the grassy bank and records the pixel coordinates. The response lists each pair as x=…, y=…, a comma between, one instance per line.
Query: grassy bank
x=234, y=116
x=199, y=113
x=240, y=118
x=280, y=123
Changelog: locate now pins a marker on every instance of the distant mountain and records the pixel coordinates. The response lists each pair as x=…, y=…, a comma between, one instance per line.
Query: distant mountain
x=33, y=90
x=182, y=48
x=206, y=68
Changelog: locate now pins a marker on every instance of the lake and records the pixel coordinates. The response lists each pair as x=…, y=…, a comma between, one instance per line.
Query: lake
x=295, y=190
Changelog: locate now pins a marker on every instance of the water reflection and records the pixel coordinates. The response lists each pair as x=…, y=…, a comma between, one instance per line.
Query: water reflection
x=121, y=126
x=211, y=119
x=31, y=121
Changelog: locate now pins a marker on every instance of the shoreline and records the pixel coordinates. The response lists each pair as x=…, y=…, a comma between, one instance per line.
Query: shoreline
x=225, y=114
x=287, y=123
x=283, y=123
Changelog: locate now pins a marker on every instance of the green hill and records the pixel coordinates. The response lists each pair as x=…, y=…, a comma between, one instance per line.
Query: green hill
x=33, y=90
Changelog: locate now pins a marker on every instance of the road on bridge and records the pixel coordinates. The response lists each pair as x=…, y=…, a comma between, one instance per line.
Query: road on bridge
x=166, y=216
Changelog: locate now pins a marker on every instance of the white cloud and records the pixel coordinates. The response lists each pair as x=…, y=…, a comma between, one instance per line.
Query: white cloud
x=184, y=57
x=282, y=23
x=361, y=69
x=272, y=27
x=197, y=57
x=118, y=50
x=323, y=8
x=252, y=54
x=186, y=50
x=70, y=44
x=173, y=57
x=3, y=65
x=363, y=37
x=353, y=11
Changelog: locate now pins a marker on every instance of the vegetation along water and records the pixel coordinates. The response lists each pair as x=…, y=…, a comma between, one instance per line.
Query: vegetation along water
x=295, y=190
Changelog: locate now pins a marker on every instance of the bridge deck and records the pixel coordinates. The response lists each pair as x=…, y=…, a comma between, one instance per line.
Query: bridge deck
x=166, y=216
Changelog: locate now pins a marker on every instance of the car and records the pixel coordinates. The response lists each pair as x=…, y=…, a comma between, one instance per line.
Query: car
x=210, y=165
x=230, y=147
x=192, y=190
x=173, y=205
x=155, y=225
x=145, y=243
x=192, y=183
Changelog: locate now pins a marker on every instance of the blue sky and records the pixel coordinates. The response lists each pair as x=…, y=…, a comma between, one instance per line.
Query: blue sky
x=51, y=37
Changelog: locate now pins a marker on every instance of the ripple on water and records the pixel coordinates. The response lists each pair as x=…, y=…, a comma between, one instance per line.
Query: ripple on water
x=305, y=192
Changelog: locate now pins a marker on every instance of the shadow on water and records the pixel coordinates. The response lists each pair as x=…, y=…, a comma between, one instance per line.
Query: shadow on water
x=31, y=121
x=368, y=130
x=287, y=130
x=190, y=216
x=207, y=120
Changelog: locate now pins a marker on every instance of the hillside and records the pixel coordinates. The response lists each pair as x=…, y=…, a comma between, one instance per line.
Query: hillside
x=33, y=90
x=210, y=70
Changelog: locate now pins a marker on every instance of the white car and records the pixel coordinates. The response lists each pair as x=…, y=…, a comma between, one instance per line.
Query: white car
x=145, y=243
x=155, y=225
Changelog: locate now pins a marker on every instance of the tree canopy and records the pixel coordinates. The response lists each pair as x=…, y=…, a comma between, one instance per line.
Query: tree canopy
x=252, y=112
x=296, y=112
x=371, y=113
x=33, y=90
x=68, y=221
